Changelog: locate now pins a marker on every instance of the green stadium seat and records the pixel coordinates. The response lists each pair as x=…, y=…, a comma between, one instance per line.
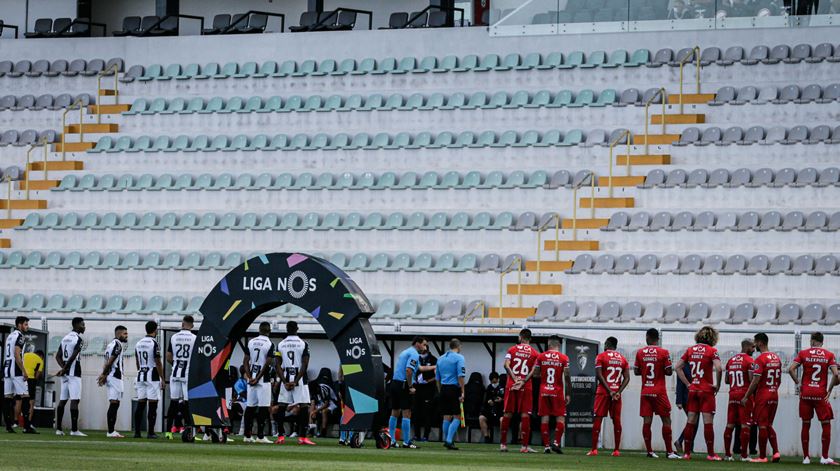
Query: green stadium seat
x=195, y=105
x=430, y=309
x=228, y=70
x=74, y=304
x=326, y=67
x=191, y=71
x=106, y=182
x=71, y=260
x=153, y=306
x=428, y=180
x=249, y=69
x=279, y=141
x=407, y=64
x=467, y=63
x=408, y=309
x=415, y=221
x=606, y=97
x=488, y=62
x=379, y=262
x=252, y=105
x=575, y=59
x=450, y=180
x=339, y=260
x=467, y=262
x=351, y=221
x=266, y=69
x=394, y=221
x=359, y=261
x=572, y=138
x=170, y=261
x=502, y=221
x=94, y=304
x=232, y=260
x=438, y=221
x=372, y=221
x=402, y=262
x=552, y=61
x=110, y=261
x=69, y=221
x=191, y=261
x=115, y=304
x=134, y=305
x=176, y=306
x=211, y=70
x=583, y=98
x=33, y=260
x=273, y=105
x=595, y=59
x=347, y=66
x=151, y=72
x=414, y=101
x=137, y=107
x=53, y=260
x=194, y=305
x=510, y=62
x=537, y=179
x=287, y=69
x=617, y=58
x=226, y=222
x=172, y=71
x=289, y=221
x=307, y=67
x=639, y=57
x=157, y=105
x=427, y=64
x=386, y=308
x=550, y=138
x=366, y=66
x=131, y=261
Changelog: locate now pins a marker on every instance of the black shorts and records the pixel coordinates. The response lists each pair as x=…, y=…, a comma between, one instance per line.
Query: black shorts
x=400, y=398
x=450, y=400
x=32, y=384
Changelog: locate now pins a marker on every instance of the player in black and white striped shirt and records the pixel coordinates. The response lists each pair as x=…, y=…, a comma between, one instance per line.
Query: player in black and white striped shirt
x=149, y=379
x=258, y=359
x=178, y=355
x=68, y=358
x=112, y=377
x=14, y=374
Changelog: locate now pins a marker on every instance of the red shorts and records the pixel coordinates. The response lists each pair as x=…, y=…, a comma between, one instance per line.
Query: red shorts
x=552, y=406
x=765, y=411
x=654, y=405
x=738, y=414
x=605, y=405
x=521, y=401
x=700, y=402
x=807, y=407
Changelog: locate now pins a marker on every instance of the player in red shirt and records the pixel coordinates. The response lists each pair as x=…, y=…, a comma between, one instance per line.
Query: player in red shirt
x=739, y=377
x=613, y=373
x=706, y=371
x=555, y=393
x=519, y=394
x=653, y=364
x=814, y=391
x=767, y=376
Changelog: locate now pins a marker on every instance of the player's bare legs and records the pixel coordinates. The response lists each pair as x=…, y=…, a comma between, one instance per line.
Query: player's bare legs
x=485, y=430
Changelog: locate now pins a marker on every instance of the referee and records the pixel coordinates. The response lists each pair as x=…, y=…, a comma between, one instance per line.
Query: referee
x=450, y=375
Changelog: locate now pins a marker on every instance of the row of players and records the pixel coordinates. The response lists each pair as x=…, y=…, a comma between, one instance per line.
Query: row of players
x=288, y=360
x=753, y=392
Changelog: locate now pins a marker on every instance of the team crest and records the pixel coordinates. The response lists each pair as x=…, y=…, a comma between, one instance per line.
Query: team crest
x=582, y=356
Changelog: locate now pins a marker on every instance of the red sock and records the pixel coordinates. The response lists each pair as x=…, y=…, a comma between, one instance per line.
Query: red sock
x=688, y=437
x=503, y=430
x=805, y=436
x=667, y=435
x=709, y=434
x=774, y=443
x=617, y=433
x=727, y=441
x=646, y=434
x=596, y=431
x=762, y=442
x=745, y=440
x=826, y=439
x=544, y=432
x=558, y=432
x=525, y=430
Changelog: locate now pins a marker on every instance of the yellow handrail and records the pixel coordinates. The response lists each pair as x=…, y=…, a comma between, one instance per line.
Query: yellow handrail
x=46, y=144
x=9, y=198
x=684, y=61
x=116, y=69
x=469, y=314
x=28, y=168
x=554, y=217
x=518, y=262
x=659, y=93
x=574, y=209
x=626, y=133
x=81, y=106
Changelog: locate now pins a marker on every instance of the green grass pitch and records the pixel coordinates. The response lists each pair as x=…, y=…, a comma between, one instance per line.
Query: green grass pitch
x=29, y=452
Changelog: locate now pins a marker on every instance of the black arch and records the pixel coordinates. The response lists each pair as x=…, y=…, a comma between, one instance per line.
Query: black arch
x=264, y=283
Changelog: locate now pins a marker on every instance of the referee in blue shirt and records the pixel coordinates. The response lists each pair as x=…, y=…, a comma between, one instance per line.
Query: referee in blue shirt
x=402, y=390
x=450, y=375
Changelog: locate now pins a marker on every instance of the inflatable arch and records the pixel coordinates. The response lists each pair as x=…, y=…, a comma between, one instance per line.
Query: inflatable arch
x=264, y=283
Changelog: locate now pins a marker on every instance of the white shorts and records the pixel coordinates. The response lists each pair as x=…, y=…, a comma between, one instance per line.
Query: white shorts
x=15, y=386
x=149, y=390
x=259, y=395
x=298, y=395
x=178, y=388
x=115, y=388
x=71, y=388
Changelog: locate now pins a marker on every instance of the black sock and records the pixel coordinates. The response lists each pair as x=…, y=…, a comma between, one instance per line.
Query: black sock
x=24, y=409
x=753, y=438
x=262, y=418
x=8, y=412
x=74, y=418
x=279, y=418
x=171, y=413
x=139, y=414
x=302, y=421
x=249, y=421
x=152, y=416
x=185, y=413
x=59, y=415
x=112, y=416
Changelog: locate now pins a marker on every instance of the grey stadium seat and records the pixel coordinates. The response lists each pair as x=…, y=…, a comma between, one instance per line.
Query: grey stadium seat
x=780, y=264
x=812, y=314
x=713, y=264
x=743, y=313
x=735, y=264
x=582, y=263
x=639, y=220
x=771, y=220
x=720, y=313
x=654, y=312
x=698, y=312
x=788, y=313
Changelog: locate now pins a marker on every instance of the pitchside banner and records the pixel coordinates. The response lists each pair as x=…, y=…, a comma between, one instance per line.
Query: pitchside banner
x=579, y=412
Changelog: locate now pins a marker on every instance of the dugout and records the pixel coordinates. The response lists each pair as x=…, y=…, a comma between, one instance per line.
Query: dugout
x=36, y=339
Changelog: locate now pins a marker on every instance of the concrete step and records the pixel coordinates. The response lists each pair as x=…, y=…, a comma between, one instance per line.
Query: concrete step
x=621, y=181
x=108, y=92
x=655, y=139
x=108, y=109
x=75, y=146
x=685, y=118
x=608, y=202
x=645, y=159
x=38, y=184
x=543, y=289
x=572, y=245
x=691, y=98
x=58, y=165
x=23, y=204
x=596, y=223
x=511, y=312
x=549, y=265
x=10, y=223
x=92, y=128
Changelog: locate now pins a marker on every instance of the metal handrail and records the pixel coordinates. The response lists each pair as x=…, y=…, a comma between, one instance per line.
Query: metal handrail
x=684, y=61
x=81, y=106
x=4, y=26
x=26, y=170
x=247, y=16
x=335, y=12
x=469, y=314
x=575, y=205
x=626, y=133
x=8, y=179
x=437, y=7
x=78, y=21
x=116, y=69
x=659, y=93
x=556, y=219
x=518, y=262
x=46, y=144
x=160, y=20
